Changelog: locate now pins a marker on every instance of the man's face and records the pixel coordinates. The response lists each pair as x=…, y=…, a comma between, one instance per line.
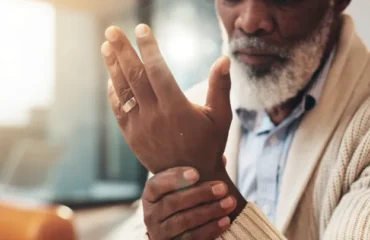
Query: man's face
x=275, y=46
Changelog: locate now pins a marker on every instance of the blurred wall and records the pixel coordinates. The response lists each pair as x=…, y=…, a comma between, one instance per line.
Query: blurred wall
x=81, y=119
x=74, y=117
x=190, y=41
x=359, y=10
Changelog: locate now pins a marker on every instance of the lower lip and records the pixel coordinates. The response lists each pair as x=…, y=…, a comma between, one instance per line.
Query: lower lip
x=257, y=59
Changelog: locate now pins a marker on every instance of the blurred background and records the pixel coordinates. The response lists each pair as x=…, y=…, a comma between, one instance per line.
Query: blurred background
x=59, y=141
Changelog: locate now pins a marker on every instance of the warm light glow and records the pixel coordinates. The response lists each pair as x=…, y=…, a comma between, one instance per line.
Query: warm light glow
x=26, y=59
x=182, y=45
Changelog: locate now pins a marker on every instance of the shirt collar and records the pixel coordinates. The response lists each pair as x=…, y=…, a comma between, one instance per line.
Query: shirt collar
x=259, y=122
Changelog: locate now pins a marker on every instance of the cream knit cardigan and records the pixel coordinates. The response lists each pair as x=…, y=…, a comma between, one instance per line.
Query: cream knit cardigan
x=325, y=192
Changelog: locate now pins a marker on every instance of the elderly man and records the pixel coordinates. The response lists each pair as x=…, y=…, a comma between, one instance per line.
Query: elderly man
x=295, y=129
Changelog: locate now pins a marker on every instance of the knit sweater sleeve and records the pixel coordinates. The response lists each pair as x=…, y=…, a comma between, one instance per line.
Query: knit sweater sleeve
x=351, y=218
x=251, y=224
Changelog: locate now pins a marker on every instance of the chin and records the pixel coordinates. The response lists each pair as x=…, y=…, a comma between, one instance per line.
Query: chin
x=264, y=88
x=260, y=71
x=254, y=88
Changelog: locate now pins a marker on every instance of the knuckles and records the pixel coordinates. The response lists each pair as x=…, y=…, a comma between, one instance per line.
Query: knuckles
x=124, y=94
x=177, y=223
x=168, y=204
x=135, y=75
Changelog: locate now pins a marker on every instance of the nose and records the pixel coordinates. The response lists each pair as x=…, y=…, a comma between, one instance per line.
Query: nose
x=254, y=18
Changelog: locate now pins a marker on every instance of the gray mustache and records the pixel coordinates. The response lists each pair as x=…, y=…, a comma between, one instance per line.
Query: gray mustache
x=257, y=44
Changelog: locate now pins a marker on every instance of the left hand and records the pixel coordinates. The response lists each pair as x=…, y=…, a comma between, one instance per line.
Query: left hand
x=176, y=207
x=165, y=130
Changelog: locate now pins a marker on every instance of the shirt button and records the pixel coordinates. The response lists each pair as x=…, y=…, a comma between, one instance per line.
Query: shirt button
x=274, y=140
x=266, y=209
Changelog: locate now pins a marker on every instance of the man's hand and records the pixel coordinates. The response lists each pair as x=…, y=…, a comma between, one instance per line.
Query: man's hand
x=172, y=210
x=165, y=130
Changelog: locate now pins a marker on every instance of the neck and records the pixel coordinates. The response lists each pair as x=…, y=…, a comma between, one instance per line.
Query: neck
x=279, y=113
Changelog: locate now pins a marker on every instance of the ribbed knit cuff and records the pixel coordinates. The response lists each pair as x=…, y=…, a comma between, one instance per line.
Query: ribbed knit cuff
x=251, y=224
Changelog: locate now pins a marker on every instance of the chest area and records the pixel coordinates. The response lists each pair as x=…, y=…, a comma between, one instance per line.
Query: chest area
x=262, y=157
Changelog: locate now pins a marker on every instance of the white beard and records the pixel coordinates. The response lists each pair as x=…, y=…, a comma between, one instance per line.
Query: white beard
x=256, y=91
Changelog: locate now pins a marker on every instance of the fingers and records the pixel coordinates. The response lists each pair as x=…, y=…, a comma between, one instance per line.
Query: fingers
x=117, y=105
x=121, y=86
x=169, y=181
x=209, y=231
x=218, y=97
x=160, y=76
x=123, y=93
x=174, y=206
x=131, y=67
x=189, y=198
x=195, y=217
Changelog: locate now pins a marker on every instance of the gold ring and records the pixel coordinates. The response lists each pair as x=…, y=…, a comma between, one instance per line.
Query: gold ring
x=129, y=105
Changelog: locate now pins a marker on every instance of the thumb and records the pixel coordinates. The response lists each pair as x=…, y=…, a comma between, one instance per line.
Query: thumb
x=218, y=96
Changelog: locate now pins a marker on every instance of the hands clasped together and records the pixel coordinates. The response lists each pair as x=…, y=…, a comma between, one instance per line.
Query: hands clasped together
x=190, y=195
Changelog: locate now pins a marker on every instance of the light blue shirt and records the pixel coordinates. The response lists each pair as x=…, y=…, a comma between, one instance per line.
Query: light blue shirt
x=264, y=147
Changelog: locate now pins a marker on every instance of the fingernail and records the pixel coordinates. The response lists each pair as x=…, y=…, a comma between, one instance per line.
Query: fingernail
x=191, y=175
x=141, y=30
x=219, y=189
x=224, y=222
x=111, y=34
x=227, y=203
x=106, y=49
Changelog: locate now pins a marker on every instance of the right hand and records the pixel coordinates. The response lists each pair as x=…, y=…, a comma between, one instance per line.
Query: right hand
x=175, y=207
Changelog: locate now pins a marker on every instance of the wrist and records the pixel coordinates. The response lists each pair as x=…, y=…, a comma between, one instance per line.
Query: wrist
x=221, y=174
x=241, y=203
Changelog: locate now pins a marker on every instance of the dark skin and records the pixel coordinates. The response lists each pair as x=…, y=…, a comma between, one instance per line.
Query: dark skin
x=280, y=24
x=279, y=113
x=166, y=131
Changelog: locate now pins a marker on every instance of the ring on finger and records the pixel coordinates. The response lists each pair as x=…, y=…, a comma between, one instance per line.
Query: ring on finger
x=129, y=105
